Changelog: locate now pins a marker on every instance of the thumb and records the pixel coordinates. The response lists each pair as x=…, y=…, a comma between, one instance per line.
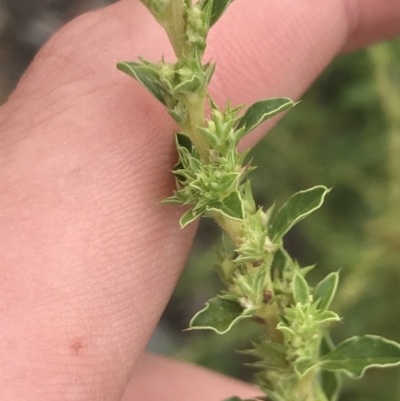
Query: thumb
x=88, y=258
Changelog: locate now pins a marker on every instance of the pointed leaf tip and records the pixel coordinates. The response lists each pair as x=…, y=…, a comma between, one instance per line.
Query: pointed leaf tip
x=144, y=74
x=218, y=9
x=301, y=292
x=325, y=291
x=262, y=111
x=298, y=207
x=219, y=315
x=187, y=218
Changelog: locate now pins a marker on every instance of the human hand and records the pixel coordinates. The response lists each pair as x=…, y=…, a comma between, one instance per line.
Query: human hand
x=88, y=258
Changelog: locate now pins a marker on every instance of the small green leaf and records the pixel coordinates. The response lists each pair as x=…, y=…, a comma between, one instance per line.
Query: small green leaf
x=190, y=85
x=357, y=354
x=214, y=139
x=219, y=315
x=206, y=8
x=325, y=291
x=326, y=316
x=218, y=9
x=209, y=70
x=227, y=182
x=248, y=199
x=182, y=142
x=172, y=200
x=231, y=206
x=298, y=207
x=188, y=218
x=282, y=262
x=146, y=75
x=262, y=111
x=301, y=292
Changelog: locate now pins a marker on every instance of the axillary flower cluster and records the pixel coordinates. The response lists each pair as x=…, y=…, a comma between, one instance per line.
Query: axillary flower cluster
x=296, y=358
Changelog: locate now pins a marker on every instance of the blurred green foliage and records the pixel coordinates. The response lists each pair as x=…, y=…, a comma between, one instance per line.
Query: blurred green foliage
x=344, y=134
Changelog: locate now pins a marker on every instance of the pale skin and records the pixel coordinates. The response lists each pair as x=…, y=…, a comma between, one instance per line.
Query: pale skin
x=88, y=258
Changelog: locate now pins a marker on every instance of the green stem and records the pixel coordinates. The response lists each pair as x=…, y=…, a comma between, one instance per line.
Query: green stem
x=173, y=22
x=195, y=104
x=270, y=314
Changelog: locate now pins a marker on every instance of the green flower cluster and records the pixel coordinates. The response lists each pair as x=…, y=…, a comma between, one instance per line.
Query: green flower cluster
x=214, y=187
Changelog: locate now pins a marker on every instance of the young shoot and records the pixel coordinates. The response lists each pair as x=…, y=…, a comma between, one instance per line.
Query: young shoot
x=296, y=359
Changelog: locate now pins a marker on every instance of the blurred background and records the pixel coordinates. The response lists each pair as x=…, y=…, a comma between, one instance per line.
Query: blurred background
x=345, y=134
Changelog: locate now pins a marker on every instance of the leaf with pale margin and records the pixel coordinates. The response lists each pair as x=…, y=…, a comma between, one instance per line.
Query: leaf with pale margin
x=209, y=70
x=282, y=262
x=188, y=218
x=172, y=200
x=298, y=207
x=214, y=139
x=303, y=366
x=326, y=316
x=301, y=292
x=231, y=206
x=249, y=203
x=227, y=182
x=357, y=354
x=219, y=315
x=145, y=75
x=325, y=291
x=182, y=141
x=261, y=111
x=188, y=86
